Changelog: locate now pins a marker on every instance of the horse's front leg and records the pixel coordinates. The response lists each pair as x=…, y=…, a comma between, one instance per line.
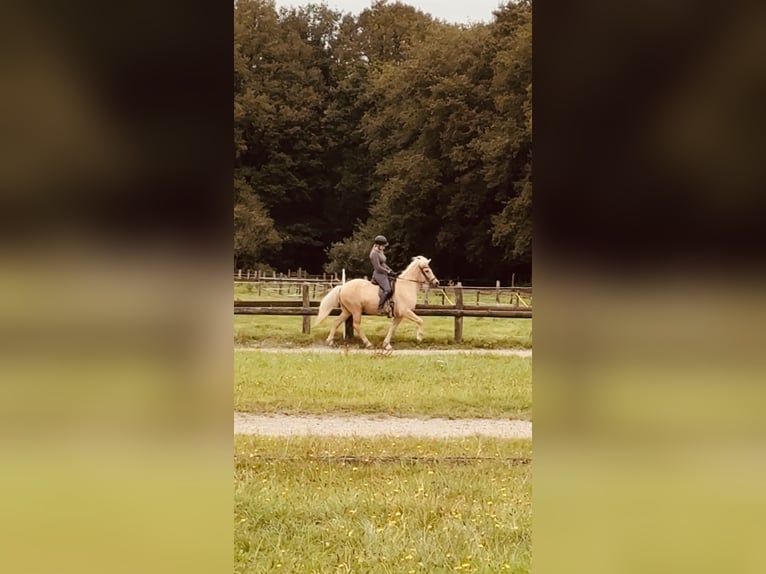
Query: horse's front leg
x=390, y=334
x=418, y=321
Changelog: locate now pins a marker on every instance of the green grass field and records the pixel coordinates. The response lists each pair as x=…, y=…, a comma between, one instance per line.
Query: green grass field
x=478, y=332
x=406, y=385
x=310, y=505
x=383, y=505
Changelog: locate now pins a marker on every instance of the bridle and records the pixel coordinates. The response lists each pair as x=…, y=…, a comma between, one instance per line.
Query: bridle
x=433, y=277
x=423, y=272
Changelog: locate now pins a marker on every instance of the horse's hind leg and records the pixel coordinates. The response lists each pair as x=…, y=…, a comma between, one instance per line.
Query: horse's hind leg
x=358, y=327
x=341, y=318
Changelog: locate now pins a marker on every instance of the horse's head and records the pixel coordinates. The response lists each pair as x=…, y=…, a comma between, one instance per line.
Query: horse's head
x=424, y=266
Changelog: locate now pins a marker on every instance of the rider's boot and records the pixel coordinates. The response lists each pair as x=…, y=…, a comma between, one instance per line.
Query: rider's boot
x=390, y=308
x=382, y=303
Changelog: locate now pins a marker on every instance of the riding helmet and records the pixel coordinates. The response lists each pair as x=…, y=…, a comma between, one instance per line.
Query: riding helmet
x=380, y=240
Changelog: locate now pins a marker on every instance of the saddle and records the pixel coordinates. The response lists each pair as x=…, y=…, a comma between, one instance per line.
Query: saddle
x=392, y=282
x=388, y=306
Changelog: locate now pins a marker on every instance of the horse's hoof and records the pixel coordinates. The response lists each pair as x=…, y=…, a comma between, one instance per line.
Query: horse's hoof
x=419, y=338
x=368, y=345
x=387, y=347
x=330, y=343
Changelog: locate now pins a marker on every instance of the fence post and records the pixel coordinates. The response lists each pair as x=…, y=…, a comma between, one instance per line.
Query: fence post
x=306, y=306
x=513, y=280
x=459, y=307
x=239, y=274
x=497, y=291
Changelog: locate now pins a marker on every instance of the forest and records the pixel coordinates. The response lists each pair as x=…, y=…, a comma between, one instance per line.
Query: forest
x=386, y=122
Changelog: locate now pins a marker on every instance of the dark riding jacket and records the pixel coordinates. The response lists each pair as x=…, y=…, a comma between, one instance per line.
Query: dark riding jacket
x=380, y=270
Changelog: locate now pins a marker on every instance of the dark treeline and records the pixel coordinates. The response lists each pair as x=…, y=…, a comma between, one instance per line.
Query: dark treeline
x=389, y=122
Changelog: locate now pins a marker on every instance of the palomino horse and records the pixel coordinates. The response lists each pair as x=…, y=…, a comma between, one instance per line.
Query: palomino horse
x=361, y=296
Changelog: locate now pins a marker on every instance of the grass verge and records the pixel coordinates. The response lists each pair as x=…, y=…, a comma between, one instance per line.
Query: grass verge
x=454, y=386
x=317, y=505
x=478, y=332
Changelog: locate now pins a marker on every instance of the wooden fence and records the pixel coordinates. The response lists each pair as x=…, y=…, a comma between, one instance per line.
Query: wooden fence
x=515, y=296
x=300, y=276
x=308, y=308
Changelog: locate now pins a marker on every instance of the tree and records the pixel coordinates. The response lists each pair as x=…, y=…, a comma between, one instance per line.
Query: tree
x=299, y=82
x=255, y=236
x=387, y=32
x=254, y=233
x=432, y=113
x=352, y=254
x=390, y=122
x=507, y=144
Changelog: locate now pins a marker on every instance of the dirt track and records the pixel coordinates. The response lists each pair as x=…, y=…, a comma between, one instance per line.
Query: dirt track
x=369, y=426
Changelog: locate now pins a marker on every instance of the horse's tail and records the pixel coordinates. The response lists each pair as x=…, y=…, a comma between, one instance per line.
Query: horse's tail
x=329, y=302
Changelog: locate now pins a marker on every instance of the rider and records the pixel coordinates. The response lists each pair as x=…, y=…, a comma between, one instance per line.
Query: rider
x=381, y=271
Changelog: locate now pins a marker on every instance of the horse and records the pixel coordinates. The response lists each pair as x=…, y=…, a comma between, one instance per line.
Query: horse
x=361, y=296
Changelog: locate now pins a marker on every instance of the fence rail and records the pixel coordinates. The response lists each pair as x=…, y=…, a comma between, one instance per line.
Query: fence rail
x=301, y=276
x=332, y=280
x=298, y=276
x=516, y=296
x=307, y=308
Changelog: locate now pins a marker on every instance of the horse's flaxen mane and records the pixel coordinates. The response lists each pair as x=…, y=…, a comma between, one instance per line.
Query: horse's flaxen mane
x=420, y=260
